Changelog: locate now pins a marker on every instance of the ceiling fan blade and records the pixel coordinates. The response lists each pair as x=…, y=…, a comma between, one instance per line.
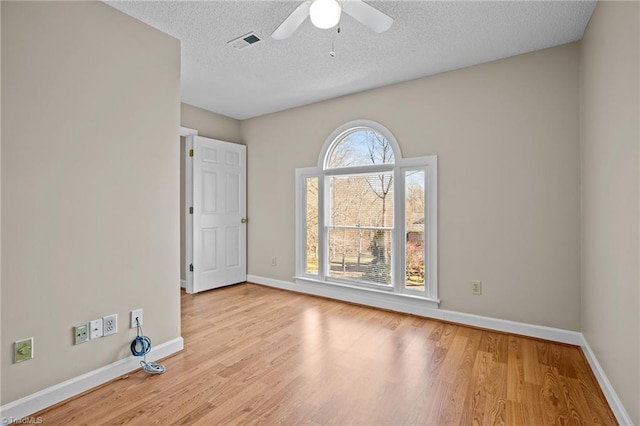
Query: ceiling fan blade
x=292, y=22
x=367, y=15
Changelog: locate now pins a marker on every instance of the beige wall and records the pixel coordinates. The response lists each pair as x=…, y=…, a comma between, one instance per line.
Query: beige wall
x=210, y=125
x=610, y=195
x=507, y=137
x=90, y=185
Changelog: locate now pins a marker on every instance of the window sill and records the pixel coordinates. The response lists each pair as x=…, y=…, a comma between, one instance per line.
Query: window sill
x=367, y=296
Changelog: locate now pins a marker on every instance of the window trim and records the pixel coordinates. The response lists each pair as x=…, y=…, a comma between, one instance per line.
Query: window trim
x=397, y=290
x=349, y=128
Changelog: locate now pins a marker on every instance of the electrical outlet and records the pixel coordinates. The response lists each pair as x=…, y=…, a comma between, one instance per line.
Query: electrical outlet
x=23, y=350
x=96, y=328
x=476, y=288
x=274, y=261
x=110, y=324
x=80, y=334
x=136, y=314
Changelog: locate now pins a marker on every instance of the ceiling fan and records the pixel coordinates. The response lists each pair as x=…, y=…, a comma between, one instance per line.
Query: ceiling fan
x=326, y=14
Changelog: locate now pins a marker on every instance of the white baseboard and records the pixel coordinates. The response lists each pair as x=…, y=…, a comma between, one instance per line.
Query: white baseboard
x=530, y=330
x=612, y=397
x=411, y=306
x=33, y=403
x=183, y=283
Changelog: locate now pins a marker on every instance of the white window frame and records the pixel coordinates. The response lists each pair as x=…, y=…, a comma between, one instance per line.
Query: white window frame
x=360, y=291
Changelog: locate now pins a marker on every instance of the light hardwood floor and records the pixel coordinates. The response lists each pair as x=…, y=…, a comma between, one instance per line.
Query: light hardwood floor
x=259, y=355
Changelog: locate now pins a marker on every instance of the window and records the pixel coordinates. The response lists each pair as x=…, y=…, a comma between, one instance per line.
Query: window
x=366, y=217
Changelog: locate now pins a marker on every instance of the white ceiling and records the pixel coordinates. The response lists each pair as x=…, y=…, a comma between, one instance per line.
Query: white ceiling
x=427, y=37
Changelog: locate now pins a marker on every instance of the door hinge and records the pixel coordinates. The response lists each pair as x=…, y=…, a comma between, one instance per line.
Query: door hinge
x=190, y=153
x=190, y=210
x=191, y=267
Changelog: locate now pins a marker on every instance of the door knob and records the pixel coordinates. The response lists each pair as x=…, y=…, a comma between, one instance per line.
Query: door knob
x=243, y=220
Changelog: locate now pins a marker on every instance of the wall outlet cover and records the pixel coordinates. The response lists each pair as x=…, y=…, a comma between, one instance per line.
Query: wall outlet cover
x=96, y=328
x=80, y=334
x=110, y=324
x=23, y=350
x=136, y=314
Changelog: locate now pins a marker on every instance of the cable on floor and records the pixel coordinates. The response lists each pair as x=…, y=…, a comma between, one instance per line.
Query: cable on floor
x=140, y=346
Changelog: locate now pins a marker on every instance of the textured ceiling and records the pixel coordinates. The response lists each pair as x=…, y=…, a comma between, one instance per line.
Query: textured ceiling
x=427, y=37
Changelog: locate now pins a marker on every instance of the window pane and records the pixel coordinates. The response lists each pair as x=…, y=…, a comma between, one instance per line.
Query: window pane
x=360, y=254
x=361, y=147
x=415, y=231
x=311, y=264
x=362, y=200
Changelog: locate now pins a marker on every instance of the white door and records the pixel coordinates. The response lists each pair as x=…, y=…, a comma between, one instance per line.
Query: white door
x=218, y=214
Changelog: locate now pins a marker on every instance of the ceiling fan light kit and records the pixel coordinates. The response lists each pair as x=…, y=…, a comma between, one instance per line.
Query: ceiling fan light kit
x=325, y=14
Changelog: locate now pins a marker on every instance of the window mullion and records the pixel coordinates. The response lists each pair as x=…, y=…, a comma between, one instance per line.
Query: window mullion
x=322, y=227
x=397, y=265
x=363, y=228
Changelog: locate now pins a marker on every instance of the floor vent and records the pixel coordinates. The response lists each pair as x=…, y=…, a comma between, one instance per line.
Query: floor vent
x=245, y=40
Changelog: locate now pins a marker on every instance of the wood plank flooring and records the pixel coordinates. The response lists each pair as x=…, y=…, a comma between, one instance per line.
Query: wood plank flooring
x=256, y=355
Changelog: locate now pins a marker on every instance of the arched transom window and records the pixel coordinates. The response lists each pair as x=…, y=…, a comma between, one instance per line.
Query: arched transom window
x=359, y=146
x=366, y=217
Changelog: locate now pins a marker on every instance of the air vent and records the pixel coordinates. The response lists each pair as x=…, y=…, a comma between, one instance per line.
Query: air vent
x=245, y=40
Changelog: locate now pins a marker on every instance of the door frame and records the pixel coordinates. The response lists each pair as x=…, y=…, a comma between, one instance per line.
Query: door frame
x=188, y=199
